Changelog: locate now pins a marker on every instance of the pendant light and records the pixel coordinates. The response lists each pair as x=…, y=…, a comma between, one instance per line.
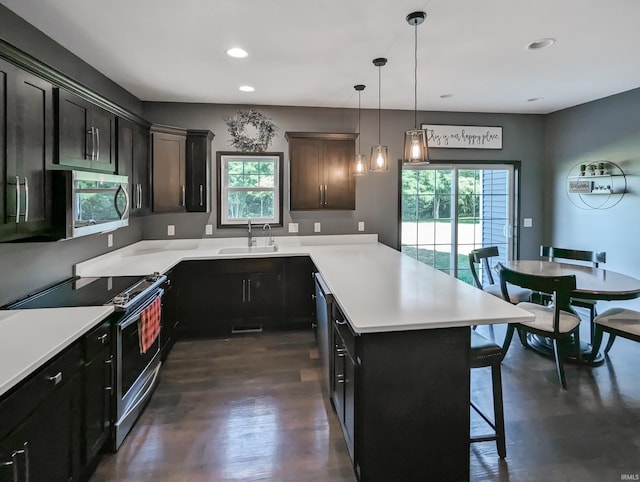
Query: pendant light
x=360, y=168
x=415, y=140
x=379, y=161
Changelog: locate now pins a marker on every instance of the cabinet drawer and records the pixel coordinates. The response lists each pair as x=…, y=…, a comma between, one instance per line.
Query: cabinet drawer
x=25, y=398
x=97, y=340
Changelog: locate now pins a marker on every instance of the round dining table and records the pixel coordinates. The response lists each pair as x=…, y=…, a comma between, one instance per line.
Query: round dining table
x=591, y=283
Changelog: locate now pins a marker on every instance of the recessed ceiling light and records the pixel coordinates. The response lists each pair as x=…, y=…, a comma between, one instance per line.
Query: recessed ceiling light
x=237, y=53
x=246, y=88
x=541, y=43
x=446, y=96
x=534, y=99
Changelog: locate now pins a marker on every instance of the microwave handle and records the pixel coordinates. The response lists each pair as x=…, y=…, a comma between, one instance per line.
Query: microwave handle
x=123, y=213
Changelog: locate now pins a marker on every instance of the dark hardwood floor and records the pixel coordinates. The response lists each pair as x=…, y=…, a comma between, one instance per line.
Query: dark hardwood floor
x=251, y=408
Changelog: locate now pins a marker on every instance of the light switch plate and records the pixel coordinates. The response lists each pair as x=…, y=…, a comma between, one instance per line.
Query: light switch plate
x=208, y=229
x=316, y=227
x=109, y=240
x=360, y=225
x=528, y=222
x=171, y=230
x=293, y=227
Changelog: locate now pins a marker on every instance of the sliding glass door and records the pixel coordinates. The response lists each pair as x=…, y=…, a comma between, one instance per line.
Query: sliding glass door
x=446, y=211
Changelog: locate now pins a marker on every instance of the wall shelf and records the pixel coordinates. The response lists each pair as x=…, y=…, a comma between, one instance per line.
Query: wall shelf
x=596, y=185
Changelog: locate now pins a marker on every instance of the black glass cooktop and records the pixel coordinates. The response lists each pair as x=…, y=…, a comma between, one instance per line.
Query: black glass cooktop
x=77, y=292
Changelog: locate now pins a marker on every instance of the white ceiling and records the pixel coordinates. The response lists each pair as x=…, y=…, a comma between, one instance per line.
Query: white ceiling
x=311, y=53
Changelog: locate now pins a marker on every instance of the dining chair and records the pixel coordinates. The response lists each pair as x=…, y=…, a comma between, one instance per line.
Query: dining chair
x=486, y=353
x=616, y=322
x=592, y=258
x=557, y=321
x=480, y=257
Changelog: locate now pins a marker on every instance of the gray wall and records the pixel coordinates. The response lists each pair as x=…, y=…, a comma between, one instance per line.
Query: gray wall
x=606, y=129
x=26, y=267
x=376, y=194
x=14, y=30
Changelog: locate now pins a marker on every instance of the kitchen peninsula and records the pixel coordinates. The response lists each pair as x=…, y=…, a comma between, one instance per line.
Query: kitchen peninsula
x=411, y=335
x=410, y=327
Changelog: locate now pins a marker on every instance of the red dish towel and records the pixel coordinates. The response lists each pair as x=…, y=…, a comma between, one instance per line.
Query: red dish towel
x=149, y=325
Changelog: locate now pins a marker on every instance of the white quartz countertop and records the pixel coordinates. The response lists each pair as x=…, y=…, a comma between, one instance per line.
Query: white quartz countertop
x=29, y=338
x=378, y=288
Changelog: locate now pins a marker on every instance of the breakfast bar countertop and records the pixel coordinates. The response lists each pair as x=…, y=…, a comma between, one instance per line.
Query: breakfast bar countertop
x=378, y=288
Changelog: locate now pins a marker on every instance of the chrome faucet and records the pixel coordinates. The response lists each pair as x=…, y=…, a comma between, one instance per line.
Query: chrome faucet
x=270, y=239
x=250, y=240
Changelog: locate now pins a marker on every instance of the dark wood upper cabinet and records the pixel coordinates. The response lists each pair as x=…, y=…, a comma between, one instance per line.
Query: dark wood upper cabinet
x=169, y=169
x=85, y=134
x=320, y=167
x=133, y=161
x=26, y=153
x=198, y=170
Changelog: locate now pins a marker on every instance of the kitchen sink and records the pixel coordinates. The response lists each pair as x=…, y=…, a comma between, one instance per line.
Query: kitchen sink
x=249, y=250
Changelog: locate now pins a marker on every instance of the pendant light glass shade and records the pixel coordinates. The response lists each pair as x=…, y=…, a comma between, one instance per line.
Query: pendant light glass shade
x=379, y=160
x=415, y=146
x=360, y=165
x=415, y=140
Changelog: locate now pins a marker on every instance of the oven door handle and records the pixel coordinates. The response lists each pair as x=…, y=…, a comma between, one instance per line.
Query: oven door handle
x=135, y=316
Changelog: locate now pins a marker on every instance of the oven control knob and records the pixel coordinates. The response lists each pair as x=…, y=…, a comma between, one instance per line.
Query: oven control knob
x=121, y=299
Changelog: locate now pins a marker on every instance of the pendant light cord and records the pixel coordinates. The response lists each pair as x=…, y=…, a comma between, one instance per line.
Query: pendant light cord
x=359, y=139
x=379, y=88
x=415, y=78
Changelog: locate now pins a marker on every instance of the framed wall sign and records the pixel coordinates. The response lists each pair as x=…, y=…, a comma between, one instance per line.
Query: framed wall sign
x=463, y=137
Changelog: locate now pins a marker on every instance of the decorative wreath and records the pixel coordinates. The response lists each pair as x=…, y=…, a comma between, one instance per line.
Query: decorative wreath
x=240, y=140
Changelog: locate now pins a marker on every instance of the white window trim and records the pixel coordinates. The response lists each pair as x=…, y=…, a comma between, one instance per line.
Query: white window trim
x=225, y=189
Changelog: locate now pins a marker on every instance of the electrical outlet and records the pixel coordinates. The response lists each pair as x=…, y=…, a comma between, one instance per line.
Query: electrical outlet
x=109, y=240
x=293, y=227
x=316, y=227
x=360, y=225
x=208, y=229
x=528, y=222
x=171, y=230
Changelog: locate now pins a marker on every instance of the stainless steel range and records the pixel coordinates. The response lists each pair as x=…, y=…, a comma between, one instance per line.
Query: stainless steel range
x=135, y=373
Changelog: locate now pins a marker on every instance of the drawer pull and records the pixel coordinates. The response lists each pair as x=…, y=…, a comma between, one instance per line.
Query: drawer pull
x=103, y=338
x=341, y=322
x=56, y=379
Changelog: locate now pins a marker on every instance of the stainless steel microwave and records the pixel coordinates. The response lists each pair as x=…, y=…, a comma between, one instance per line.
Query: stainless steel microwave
x=88, y=203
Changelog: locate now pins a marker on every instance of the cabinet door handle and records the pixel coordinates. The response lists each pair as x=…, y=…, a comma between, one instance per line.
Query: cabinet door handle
x=326, y=195
x=341, y=322
x=26, y=199
x=244, y=286
x=14, y=469
x=17, y=199
x=109, y=364
x=56, y=379
x=103, y=338
x=14, y=461
x=321, y=195
x=93, y=143
x=139, y=196
x=340, y=378
x=201, y=195
x=98, y=144
x=249, y=290
x=184, y=195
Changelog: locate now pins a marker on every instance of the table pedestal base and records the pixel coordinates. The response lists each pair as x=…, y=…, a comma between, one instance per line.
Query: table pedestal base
x=544, y=346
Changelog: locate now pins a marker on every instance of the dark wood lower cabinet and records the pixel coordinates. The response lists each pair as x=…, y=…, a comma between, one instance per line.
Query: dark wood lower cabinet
x=220, y=297
x=40, y=424
x=98, y=389
x=170, y=315
x=402, y=399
